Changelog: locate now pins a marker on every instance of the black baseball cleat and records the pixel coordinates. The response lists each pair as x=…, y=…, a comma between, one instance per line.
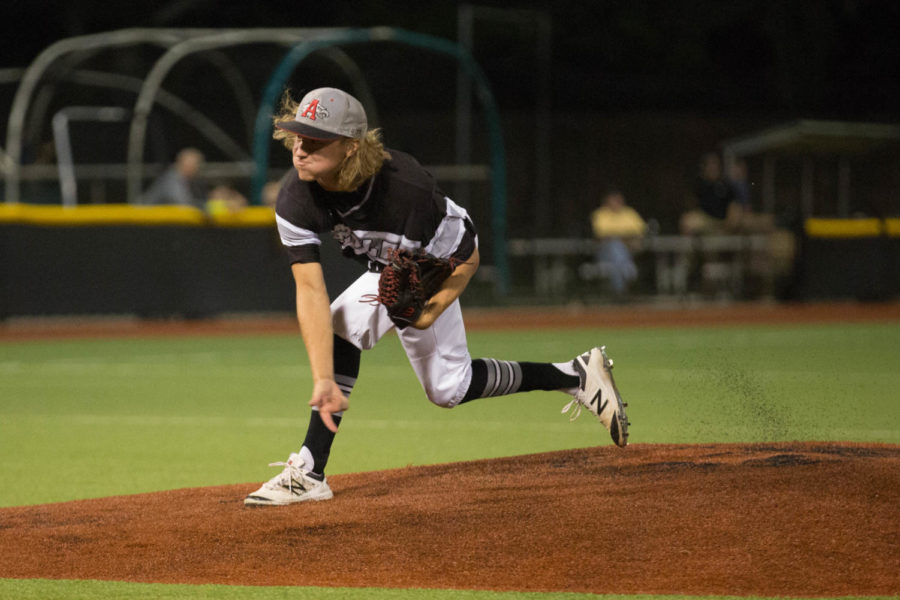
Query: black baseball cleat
x=597, y=392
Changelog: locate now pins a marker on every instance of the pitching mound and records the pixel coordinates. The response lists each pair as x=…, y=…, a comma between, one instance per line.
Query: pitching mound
x=811, y=519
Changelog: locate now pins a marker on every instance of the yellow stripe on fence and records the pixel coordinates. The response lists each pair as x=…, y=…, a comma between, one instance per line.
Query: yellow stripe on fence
x=844, y=228
x=126, y=214
x=892, y=227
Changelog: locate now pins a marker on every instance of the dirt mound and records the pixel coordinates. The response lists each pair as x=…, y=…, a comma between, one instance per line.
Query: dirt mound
x=810, y=519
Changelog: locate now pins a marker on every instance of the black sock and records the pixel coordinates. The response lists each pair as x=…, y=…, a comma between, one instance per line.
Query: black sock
x=318, y=440
x=492, y=377
x=346, y=364
x=318, y=437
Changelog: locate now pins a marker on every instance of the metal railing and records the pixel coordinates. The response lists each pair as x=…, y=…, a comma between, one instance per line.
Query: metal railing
x=674, y=256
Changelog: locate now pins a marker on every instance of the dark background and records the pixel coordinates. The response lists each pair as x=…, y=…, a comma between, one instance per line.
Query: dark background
x=824, y=58
x=637, y=90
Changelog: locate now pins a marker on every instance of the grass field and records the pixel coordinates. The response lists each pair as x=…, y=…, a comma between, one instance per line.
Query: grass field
x=96, y=590
x=92, y=418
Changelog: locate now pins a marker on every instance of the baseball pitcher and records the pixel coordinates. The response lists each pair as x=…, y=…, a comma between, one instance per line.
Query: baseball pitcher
x=421, y=250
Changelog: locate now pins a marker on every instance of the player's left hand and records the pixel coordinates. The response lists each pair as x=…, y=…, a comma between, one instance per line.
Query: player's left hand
x=408, y=282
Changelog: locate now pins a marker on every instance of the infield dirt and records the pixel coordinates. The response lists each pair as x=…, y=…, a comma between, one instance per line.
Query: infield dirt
x=570, y=317
x=771, y=519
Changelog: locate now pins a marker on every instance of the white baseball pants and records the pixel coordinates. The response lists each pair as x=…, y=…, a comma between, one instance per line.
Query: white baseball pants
x=439, y=355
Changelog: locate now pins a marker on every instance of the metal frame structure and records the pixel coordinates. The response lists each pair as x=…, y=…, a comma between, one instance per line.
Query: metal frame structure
x=156, y=76
x=180, y=43
x=68, y=183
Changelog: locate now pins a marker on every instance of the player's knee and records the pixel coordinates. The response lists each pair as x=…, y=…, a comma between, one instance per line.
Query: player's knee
x=447, y=387
x=441, y=399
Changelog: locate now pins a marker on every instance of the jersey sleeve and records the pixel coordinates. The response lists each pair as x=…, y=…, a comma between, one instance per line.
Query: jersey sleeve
x=455, y=234
x=468, y=243
x=301, y=245
x=299, y=222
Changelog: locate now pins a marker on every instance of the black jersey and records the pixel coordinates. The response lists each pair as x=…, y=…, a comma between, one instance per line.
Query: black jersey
x=400, y=207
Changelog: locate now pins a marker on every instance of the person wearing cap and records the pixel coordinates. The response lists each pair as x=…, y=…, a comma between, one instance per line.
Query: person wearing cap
x=373, y=201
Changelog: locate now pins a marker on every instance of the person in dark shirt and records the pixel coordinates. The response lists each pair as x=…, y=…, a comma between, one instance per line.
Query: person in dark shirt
x=375, y=200
x=715, y=195
x=724, y=203
x=180, y=184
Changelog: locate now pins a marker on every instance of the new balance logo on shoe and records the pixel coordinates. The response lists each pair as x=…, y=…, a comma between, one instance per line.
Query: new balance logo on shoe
x=597, y=392
x=596, y=400
x=297, y=488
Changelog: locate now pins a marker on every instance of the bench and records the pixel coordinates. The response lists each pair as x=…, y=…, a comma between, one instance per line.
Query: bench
x=723, y=262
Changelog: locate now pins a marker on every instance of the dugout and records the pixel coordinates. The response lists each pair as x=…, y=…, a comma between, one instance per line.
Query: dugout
x=838, y=181
x=835, y=169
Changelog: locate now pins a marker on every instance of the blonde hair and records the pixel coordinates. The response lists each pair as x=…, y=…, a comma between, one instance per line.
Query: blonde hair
x=354, y=169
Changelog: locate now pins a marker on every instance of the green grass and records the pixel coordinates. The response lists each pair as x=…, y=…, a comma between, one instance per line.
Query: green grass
x=95, y=590
x=128, y=416
x=93, y=418
x=43, y=589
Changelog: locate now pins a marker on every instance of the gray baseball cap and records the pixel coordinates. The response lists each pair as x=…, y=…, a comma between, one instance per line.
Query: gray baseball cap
x=327, y=114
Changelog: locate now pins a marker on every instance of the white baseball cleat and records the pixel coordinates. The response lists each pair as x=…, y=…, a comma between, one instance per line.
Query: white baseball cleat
x=292, y=485
x=597, y=392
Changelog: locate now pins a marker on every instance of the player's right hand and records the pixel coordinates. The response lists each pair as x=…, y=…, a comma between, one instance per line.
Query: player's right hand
x=329, y=399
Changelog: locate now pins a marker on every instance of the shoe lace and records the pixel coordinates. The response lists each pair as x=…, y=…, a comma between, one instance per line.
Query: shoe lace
x=575, y=406
x=287, y=473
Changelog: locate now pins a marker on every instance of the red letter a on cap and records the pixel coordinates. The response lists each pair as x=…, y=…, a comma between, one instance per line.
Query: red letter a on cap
x=310, y=111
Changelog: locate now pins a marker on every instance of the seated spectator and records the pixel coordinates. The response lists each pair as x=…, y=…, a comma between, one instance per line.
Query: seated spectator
x=270, y=193
x=724, y=206
x=619, y=229
x=740, y=185
x=224, y=199
x=181, y=183
x=744, y=218
x=272, y=188
x=778, y=261
x=723, y=203
x=717, y=204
